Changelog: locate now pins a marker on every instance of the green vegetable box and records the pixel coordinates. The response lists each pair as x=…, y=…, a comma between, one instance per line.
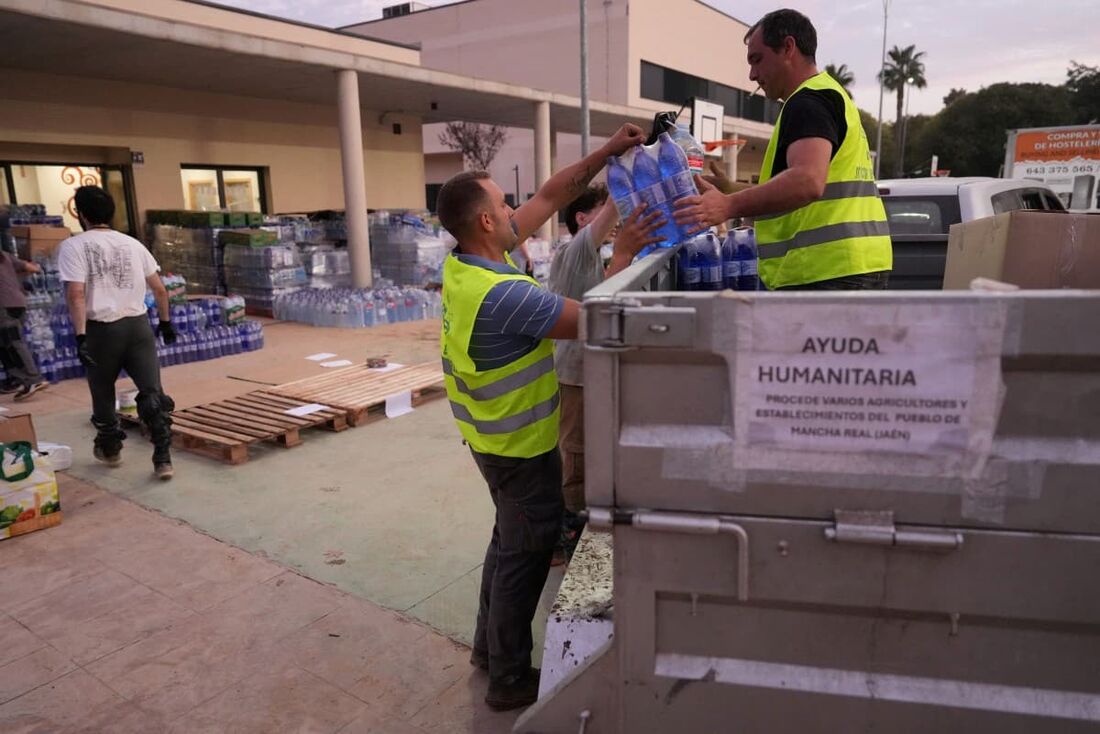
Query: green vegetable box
x=28, y=491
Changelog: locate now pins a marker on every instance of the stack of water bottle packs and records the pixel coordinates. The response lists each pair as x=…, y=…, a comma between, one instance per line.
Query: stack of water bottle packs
x=658, y=176
x=27, y=214
x=193, y=252
x=262, y=274
x=359, y=307
x=326, y=267
x=406, y=249
x=201, y=330
x=706, y=263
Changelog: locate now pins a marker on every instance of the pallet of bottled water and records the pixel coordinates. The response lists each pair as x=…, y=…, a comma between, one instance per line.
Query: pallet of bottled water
x=358, y=307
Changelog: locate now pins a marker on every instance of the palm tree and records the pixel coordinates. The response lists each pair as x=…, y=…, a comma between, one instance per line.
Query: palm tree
x=842, y=75
x=904, y=68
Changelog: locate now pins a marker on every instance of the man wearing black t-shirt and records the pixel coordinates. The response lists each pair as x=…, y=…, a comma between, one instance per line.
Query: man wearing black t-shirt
x=819, y=221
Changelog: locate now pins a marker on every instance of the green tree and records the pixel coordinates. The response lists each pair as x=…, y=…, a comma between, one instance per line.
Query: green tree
x=870, y=127
x=1083, y=82
x=904, y=68
x=953, y=95
x=969, y=135
x=842, y=75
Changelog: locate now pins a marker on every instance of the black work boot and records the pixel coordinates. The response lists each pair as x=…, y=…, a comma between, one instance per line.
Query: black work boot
x=514, y=691
x=155, y=411
x=108, y=442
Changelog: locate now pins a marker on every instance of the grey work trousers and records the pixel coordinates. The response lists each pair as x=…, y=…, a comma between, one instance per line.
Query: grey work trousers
x=528, y=500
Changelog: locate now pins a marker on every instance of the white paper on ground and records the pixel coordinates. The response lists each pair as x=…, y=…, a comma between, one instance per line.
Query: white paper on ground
x=3, y=409
x=388, y=368
x=303, y=410
x=337, y=363
x=399, y=404
x=320, y=356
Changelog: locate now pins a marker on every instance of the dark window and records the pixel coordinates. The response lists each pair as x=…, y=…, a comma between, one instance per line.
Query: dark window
x=676, y=87
x=431, y=195
x=1053, y=202
x=921, y=215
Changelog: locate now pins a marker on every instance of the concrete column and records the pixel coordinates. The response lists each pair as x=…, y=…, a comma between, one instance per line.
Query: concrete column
x=355, y=186
x=542, y=154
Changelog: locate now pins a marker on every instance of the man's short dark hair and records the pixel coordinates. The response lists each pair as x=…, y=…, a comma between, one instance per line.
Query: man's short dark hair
x=778, y=24
x=592, y=197
x=458, y=201
x=95, y=205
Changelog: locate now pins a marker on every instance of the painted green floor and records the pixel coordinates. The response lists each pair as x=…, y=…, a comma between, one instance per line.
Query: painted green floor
x=394, y=512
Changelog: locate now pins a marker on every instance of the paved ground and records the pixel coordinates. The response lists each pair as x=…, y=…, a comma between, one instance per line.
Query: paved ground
x=251, y=598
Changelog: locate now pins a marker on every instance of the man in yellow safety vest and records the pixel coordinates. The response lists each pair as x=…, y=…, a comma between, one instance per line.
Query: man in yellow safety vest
x=498, y=363
x=819, y=221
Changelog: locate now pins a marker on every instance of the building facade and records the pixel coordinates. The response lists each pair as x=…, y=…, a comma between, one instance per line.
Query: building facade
x=644, y=54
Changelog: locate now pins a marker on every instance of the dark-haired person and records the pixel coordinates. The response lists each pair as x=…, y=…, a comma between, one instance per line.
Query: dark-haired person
x=819, y=221
x=23, y=377
x=498, y=363
x=577, y=268
x=105, y=274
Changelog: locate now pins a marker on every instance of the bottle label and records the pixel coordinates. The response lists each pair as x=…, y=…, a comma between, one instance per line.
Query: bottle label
x=626, y=205
x=733, y=269
x=713, y=273
x=692, y=275
x=679, y=185
x=749, y=267
x=653, y=196
x=696, y=162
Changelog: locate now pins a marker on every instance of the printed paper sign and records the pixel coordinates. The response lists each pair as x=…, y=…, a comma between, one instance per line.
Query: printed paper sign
x=337, y=363
x=320, y=357
x=867, y=379
x=399, y=404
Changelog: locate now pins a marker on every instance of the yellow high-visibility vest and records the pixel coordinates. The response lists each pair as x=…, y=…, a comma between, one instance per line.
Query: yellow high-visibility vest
x=845, y=232
x=507, y=411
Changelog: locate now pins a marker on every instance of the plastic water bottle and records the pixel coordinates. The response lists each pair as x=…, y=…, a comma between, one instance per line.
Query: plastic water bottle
x=693, y=151
x=621, y=187
x=651, y=190
x=691, y=276
x=709, y=251
x=731, y=266
x=673, y=163
x=748, y=278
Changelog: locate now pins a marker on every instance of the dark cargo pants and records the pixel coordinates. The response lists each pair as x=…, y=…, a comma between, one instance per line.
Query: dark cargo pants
x=128, y=344
x=527, y=496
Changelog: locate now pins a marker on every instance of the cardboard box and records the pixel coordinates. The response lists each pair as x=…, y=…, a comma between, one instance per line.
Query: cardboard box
x=1030, y=249
x=38, y=239
x=16, y=425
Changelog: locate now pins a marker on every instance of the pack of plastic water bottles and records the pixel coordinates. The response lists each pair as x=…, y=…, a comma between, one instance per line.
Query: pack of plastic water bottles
x=658, y=176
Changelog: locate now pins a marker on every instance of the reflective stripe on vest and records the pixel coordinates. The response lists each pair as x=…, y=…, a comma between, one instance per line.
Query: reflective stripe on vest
x=512, y=423
x=506, y=411
x=845, y=231
x=505, y=385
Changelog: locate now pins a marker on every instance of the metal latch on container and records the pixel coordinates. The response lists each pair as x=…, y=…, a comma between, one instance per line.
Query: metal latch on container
x=645, y=326
x=877, y=528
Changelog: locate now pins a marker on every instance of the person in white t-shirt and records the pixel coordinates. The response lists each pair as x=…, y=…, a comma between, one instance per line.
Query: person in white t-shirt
x=106, y=273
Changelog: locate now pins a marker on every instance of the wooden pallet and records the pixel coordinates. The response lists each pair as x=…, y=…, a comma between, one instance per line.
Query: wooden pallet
x=225, y=429
x=362, y=392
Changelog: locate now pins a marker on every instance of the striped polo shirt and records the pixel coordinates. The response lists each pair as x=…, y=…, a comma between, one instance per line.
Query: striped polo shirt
x=513, y=318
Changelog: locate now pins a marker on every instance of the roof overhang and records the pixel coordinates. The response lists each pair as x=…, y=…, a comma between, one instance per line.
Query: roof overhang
x=113, y=40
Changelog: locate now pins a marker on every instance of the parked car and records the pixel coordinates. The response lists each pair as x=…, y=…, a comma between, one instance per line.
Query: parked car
x=922, y=210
